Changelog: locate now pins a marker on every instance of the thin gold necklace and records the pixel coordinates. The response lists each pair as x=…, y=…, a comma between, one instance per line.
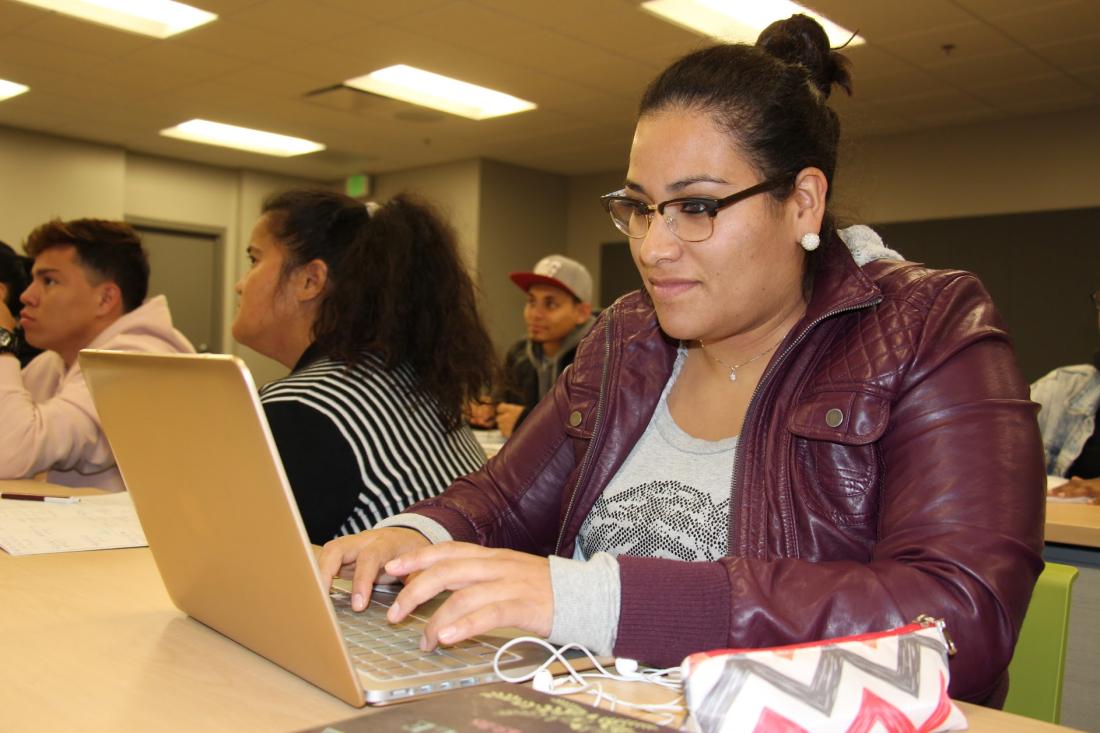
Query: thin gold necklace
x=734, y=367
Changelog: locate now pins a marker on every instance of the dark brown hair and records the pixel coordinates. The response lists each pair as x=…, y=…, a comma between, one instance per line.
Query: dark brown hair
x=772, y=98
x=397, y=286
x=15, y=276
x=110, y=250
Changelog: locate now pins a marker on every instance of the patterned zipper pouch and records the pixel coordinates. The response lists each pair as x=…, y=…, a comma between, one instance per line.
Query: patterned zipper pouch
x=892, y=681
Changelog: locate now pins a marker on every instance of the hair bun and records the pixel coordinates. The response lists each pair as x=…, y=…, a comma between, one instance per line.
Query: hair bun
x=800, y=39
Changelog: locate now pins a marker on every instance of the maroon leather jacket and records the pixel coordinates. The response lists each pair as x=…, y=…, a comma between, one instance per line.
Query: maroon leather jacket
x=890, y=465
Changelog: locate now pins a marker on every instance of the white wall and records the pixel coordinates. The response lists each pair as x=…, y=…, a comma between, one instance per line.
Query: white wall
x=587, y=224
x=43, y=177
x=506, y=217
x=1028, y=164
x=454, y=188
x=522, y=220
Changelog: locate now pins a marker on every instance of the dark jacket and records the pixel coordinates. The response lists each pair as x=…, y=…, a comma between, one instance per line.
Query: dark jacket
x=926, y=497
x=521, y=375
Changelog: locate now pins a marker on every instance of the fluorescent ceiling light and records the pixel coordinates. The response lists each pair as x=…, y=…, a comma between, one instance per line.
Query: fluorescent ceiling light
x=242, y=138
x=158, y=18
x=426, y=89
x=9, y=89
x=740, y=22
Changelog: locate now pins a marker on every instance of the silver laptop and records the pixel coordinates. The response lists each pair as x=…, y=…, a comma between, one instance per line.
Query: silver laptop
x=197, y=455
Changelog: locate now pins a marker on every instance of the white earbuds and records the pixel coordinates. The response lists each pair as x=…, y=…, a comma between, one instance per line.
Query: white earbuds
x=627, y=667
x=542, y=679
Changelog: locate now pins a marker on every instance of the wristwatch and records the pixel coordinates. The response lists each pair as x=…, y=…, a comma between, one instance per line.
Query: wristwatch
x=9, y=341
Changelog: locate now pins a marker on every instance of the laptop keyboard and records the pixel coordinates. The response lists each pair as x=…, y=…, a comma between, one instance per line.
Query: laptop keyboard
x=388, y=651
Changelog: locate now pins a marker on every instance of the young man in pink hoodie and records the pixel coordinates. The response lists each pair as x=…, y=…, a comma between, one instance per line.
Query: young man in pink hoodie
x=90, y=279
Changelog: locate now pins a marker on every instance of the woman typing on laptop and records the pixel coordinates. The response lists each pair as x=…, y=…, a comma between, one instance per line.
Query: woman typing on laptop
x=374, y=312
x=789, y=435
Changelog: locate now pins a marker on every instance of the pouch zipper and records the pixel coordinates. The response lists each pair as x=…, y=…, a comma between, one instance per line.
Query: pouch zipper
x=925, y=621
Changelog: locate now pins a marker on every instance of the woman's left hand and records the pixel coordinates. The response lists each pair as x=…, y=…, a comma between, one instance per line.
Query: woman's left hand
x=490, y=588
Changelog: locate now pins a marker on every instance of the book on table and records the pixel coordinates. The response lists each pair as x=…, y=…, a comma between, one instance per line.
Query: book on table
x=496, y=708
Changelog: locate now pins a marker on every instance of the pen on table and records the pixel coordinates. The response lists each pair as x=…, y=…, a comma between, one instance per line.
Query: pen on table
x=49, y=499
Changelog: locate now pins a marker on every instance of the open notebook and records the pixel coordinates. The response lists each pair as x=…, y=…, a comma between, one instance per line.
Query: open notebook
x=198, y=458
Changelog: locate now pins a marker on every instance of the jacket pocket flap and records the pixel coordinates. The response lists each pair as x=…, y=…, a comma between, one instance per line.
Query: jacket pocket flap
x=850, y=418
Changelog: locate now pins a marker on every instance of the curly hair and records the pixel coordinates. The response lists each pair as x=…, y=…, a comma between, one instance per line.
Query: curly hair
x=397, y=287
x=14, y=275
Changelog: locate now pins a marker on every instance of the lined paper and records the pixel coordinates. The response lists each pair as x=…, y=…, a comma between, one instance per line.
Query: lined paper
x=98, y=522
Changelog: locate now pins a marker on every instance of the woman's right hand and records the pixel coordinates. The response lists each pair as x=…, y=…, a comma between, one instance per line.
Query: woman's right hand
x=362, y=556
x=481, y=414
x=1078, y=487
x=507, y=417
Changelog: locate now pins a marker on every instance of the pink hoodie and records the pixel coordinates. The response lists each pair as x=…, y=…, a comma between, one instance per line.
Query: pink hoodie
x=47, y=419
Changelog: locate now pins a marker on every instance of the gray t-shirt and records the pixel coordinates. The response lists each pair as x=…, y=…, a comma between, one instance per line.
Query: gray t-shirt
x=670, y=499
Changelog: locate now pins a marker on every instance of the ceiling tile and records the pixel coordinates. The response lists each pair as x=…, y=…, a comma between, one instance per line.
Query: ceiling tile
x=383, y=10
x=935, y=105
x=1090, y=77
x=1036, y=90
x=950, y=43
x=1052, y=22
x=878, y=89
x=880, y=21
x=1079, y=53
x=994, y=8
x=95, y=39
x=968, y=73
x=21, y=52
x=238, y=40
x=308, y=21
x=14, y=16
x=871, y=62
x=584, y=62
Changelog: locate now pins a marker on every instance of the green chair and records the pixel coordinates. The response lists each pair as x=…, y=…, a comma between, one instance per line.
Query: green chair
x=1036, y=671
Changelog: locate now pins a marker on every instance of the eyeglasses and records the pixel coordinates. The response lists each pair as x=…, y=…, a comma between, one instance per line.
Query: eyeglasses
x=1096, y=299
x=691, y=218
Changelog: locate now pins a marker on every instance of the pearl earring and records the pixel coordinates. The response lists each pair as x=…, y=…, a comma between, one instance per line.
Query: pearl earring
x=810, y=241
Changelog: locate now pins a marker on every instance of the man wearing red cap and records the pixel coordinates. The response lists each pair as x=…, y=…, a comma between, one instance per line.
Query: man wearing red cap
x=558, y=313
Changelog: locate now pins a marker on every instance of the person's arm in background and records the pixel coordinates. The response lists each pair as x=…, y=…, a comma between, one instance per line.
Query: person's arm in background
x=62, y=432
x=512, y=406
x=1046, y=391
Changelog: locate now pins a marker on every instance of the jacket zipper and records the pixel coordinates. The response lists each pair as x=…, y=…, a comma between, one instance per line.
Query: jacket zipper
x=582, y=475
x=735, y=519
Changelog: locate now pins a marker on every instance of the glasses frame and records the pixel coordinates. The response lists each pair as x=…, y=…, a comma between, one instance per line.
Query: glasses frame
x=711, y=206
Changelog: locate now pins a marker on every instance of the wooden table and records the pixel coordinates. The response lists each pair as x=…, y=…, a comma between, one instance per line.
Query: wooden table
x=91, y=642
x=1073, y=524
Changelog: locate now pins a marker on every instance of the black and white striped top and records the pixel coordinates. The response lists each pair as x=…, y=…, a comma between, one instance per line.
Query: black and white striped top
x=357, y=447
